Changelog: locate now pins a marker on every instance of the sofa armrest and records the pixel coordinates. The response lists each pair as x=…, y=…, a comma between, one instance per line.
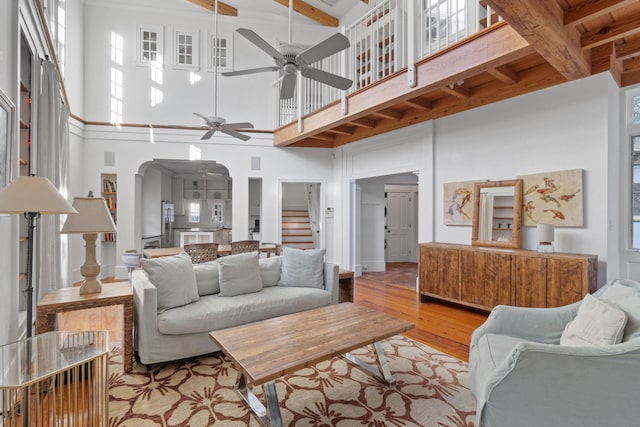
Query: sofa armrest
x=543, y=325
x=145, y=299
x=331, y=282
x=554, y=383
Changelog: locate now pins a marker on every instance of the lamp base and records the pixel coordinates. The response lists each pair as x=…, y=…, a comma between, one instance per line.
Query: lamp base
x=90, y=286
x=546, y=247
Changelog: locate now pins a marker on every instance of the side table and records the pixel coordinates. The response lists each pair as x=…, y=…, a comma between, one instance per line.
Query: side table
x=345, y=278
x=69, y=299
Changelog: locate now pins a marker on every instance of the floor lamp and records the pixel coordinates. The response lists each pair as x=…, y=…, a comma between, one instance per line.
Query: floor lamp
x=32, y=196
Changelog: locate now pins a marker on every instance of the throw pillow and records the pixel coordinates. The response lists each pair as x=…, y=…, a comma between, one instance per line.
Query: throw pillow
x=270, y=271
x=207, y=277
x=174, y=279
x=302, y=268
x=596, y=324
x=239, y=274
x=627, y=299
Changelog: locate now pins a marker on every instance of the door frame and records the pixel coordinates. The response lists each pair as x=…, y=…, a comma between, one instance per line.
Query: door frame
x=412, y=190
x=323, y=195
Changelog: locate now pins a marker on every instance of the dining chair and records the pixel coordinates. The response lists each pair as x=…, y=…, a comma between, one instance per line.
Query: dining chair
x=241, y=246
x=202, y=252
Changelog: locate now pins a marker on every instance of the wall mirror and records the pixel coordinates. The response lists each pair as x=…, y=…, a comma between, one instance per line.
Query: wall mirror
x=497, y=214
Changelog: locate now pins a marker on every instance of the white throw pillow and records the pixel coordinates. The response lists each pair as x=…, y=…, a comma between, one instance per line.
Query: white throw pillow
x=627, y=299
x=270, y=271
x=302, y=268
x=239, y=274
x=174, y=278
x=596, y=324
x=207, y=277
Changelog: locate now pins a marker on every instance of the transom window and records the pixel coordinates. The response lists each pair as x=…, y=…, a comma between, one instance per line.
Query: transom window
x=150, y=44
x=635, y=105
x=219, y=53
x=635, y=191
x=186, y=49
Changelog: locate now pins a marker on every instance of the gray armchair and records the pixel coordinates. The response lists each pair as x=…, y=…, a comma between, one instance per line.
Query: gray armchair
x=522, y=377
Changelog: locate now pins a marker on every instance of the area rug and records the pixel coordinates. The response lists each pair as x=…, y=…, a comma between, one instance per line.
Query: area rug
x=429, y=390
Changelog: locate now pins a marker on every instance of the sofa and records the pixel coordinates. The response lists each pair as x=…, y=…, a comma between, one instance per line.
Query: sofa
x=577, y=365
x=178, y=303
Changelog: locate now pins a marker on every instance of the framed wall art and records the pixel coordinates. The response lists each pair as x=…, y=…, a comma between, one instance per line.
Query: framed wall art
x=553, y=198
x=7, y=133
x=458, y=202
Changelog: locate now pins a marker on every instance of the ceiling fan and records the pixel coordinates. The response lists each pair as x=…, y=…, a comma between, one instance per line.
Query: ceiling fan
x=214, y=122
x=290, y=59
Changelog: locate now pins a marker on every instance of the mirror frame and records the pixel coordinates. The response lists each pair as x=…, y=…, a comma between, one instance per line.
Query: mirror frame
x=517, y=214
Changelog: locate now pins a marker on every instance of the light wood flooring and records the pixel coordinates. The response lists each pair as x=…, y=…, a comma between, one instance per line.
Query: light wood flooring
x=442, y=326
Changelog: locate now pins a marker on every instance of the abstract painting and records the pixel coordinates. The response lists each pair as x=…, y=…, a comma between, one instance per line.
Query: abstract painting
x=458, y=202
x=553, y=198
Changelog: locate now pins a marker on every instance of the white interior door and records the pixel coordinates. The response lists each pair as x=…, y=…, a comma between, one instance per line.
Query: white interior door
x=399, y=227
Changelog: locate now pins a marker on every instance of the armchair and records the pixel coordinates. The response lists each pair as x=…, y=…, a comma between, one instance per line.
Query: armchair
x=521, y=376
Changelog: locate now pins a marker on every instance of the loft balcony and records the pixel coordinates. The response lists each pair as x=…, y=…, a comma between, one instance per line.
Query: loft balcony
x=418, y=60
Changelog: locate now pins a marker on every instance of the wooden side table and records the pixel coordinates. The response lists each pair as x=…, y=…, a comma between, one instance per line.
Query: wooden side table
x=69, y=299
x=345, y=278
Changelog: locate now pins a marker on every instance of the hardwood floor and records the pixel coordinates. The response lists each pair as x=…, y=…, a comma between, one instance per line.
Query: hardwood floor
x=444, y=327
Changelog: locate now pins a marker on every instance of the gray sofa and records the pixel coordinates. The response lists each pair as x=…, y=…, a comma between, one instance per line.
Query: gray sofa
x=523, y=376
x=164, y=334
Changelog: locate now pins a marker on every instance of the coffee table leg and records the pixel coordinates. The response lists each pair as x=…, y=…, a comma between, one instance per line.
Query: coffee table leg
x=273, y=408
x=381, y=368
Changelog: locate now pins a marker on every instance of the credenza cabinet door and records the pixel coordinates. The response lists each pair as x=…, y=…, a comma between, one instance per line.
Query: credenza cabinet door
x=486, y=278
x=531, y=282
x=440, y=272
x=566, y=281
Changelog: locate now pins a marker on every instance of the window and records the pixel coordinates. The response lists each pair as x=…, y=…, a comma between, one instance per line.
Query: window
x=217, y=213
x=635, y=192
x=194, y=211
x=635, y=104
x=186, y=50
x=220, y=52
x=150, y=44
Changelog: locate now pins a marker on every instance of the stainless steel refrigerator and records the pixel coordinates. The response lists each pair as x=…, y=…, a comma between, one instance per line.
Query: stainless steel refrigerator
x=168, y=218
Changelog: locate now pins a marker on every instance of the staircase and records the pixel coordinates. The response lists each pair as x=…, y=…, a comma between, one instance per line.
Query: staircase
x=296, y=231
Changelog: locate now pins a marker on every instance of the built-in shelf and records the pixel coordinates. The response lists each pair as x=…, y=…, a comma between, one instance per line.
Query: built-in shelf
x=110, y=194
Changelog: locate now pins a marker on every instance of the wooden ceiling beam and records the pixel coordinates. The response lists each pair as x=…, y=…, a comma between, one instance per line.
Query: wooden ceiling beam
x=632, y=64
x=343, y=130
x=456, y=90
x=420, y=103
x=504, y=74
x=311, y=12
x=626, y=27
x=592, y=9
x=321, y=137
x=629, y=49
x=364, y=123
x=631, y=78
x=223, y=8
x=389, y=114
x=541, y=23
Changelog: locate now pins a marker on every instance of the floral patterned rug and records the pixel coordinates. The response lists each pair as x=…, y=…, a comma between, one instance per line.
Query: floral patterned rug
x=430, y=390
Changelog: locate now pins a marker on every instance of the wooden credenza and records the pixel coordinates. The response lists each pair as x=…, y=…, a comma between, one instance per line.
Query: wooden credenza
x=485, y=277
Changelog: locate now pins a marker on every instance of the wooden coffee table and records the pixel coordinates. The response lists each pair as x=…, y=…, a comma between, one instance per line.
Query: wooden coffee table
x=266, y=350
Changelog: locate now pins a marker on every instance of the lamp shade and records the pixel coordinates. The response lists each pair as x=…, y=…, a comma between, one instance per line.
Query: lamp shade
x=545, y=233
x=33, y=194
x=93, y=217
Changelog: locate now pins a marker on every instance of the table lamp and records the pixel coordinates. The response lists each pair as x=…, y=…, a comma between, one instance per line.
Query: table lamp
x=93, y=218
x=32, y=196
x=545, y=237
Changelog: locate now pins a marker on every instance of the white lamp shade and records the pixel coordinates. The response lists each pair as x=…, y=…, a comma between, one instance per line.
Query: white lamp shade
x=33, y=194
x=545, y=232
x=93, y=217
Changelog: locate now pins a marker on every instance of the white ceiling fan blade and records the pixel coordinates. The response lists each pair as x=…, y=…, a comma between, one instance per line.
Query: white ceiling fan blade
x=235, y=134
x=243, y=125
x=328, y=47
x=209, y=134
x=327, y=78
x=261, y=43
x=287, y=86
x=250, y=71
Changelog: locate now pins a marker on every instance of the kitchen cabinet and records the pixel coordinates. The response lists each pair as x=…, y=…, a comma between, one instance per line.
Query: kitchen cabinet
x=188, y=237
x=177, y=195
x=485, y=277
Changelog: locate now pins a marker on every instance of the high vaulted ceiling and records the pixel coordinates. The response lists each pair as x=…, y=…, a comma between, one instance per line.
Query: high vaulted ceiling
x=543, y=43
